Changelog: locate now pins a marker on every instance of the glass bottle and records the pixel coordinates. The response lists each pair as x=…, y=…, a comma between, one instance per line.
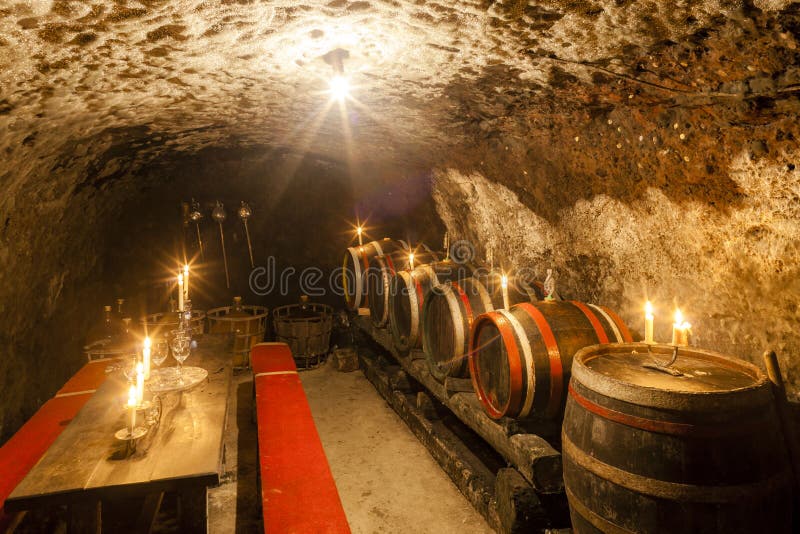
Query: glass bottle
x=237, y=306
x=108, y=326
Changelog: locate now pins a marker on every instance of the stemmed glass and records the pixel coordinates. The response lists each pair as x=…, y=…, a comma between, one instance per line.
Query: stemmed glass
x=180, y=343
x=159, y=354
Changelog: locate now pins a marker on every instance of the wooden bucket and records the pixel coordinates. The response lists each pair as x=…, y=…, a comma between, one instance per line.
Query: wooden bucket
x=450, y=310
x=161, y=323
x=306, y=328
x=247, y=326
x=519, y=359
x=407, y=294
x=649, y=452
x=355, y=264
x=379, y=279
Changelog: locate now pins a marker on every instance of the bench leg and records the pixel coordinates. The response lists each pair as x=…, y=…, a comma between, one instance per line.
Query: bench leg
x=84, y=518
x=193, y=510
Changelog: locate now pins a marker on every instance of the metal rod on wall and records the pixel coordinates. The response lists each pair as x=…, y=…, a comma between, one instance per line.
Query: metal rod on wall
x=219, y=216
x=195, y=216
x=244, y=213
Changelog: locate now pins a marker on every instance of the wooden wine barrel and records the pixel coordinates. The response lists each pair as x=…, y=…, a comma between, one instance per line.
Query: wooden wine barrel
x=449, y=312
x=645, y=451
x=356, y=262
x=379, y=278
x=407, y=293
x=520, y=358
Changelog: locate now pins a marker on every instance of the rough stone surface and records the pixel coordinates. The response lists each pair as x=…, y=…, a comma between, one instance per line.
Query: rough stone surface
x=640, y=148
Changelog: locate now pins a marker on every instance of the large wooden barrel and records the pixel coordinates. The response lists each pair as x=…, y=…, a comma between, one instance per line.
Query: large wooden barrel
x=407, y=293
x=650, y=452
x=450, y=310
x=520, y=358
x=379, y=278
x=356, y=262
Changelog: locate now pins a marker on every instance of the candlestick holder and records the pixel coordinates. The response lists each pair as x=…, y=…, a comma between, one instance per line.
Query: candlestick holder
x=195, y=215
x=244, y=213
x=219, y=216
x=664, y=367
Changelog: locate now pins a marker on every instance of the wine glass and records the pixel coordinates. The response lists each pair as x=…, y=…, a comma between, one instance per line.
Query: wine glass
x=159, y=353
x=180, y=343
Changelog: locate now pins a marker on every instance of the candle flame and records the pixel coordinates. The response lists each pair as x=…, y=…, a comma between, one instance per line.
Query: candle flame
x=147, y=343
x=186, y=269
x=648, y=308
x=678, y=317
x=504, y=281
x=132, y=397
x=411, y=256
x=139, y=368
x=359, y=230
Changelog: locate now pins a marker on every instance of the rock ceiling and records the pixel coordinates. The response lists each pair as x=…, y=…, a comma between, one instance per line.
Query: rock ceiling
x=99, y=86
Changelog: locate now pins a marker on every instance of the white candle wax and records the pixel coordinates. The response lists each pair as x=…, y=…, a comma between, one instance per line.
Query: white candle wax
x=411, y=260
x=680, y=330
x=360, y=239
x=139, y=382
x=146, y=358
x=504, y=286
x=132, y=407
x=186, y=282
x=648, y=323
x=180, y=292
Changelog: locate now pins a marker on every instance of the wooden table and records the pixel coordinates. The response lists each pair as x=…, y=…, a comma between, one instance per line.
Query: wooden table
x=184, y=453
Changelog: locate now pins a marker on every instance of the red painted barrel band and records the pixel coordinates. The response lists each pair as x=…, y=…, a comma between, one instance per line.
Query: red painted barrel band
x=390, y=263
x=666, y=427
x=514, y=404
x=553, y=354
x=602, y=337
x=623, y=328
x=420, y=296
x=465, y=301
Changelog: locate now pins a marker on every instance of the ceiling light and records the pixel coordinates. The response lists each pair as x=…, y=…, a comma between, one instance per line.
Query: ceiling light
x=339, y=88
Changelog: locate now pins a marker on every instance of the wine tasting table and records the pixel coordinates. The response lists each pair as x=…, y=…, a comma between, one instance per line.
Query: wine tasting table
x=86, y=465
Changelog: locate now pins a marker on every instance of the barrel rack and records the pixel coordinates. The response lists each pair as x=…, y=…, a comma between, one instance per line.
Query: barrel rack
x=522, y=490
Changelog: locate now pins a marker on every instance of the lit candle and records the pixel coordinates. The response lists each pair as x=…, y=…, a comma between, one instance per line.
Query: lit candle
x=411, y=260
x=186, y=282
x=648, y=323
x=139, y=382
x=360, y=242
x=680, y=330
x=504, y=285
x=146, y=358
x=132, y=407
x=180, y=292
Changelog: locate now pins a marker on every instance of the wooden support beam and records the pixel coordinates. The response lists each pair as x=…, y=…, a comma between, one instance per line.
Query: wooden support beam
x=529, y=453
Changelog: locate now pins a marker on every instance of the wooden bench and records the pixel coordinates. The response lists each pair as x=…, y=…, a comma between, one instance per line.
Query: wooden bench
x=20, y=453
x=298, y=492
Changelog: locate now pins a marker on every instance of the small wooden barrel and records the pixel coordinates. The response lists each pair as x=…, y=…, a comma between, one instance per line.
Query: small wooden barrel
x=306, y=328
x=407, y=293
x=248, y=327
x=450, y=310
x=379, y=279
x=520, y=358
x=161, y=323
x=646, y=451
x=356, y=262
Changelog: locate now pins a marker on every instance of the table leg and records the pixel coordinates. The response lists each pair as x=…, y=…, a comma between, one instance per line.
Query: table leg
x=84, y=517
x=193, y=510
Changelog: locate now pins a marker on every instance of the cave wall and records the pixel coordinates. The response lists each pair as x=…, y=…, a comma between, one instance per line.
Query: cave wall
x=666, y=173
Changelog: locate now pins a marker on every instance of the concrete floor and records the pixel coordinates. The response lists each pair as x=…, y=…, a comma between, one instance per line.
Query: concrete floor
x=386, y=479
